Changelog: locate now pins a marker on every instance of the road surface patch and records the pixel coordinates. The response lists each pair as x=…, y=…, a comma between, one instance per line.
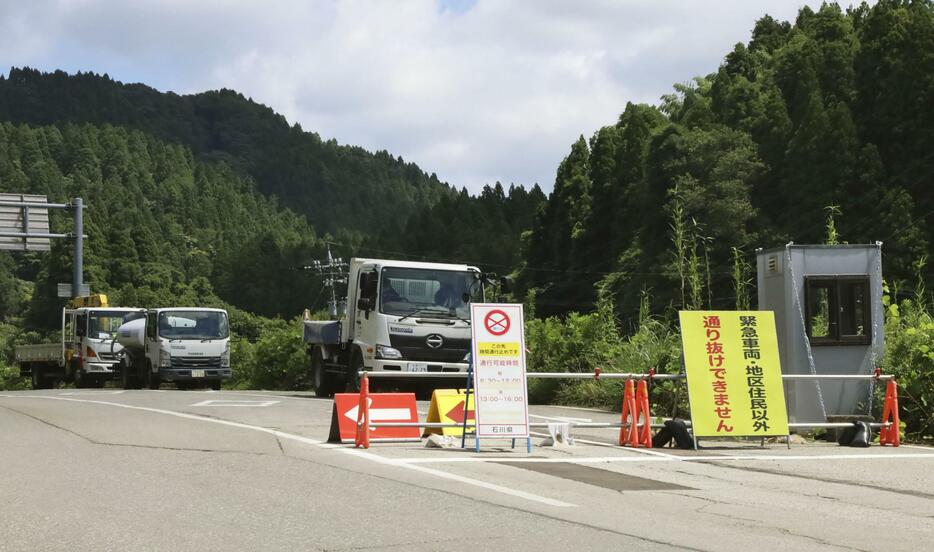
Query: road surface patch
x=605, y=479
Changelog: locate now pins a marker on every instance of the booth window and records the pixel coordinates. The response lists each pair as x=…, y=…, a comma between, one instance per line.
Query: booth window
x=838, y=310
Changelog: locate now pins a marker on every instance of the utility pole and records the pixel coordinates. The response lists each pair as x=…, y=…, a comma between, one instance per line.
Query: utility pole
x=77, y=278
x=333, y=271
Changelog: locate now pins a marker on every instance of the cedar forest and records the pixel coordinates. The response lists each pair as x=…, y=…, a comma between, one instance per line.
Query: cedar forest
x=816, y=131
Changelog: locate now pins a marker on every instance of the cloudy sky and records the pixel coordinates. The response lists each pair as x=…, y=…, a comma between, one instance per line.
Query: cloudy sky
x=473, y=90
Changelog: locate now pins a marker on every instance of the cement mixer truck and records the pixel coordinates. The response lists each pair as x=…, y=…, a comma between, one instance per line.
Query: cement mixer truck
x=187, y=346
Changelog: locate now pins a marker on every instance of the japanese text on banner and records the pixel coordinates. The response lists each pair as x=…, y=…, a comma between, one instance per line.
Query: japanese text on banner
x=734, y=375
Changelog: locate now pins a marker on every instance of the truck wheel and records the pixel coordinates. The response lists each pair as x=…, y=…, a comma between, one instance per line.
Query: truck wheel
x=127, y=379
x=81, y=380
x=353, y=373
x=37, y=381
x=152, y=379
x=216, y=385
x=323, y=382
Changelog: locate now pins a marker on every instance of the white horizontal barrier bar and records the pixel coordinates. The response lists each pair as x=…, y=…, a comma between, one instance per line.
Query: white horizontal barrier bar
x=394, y=374
x=470, y=425
x=614, y=375
x=837, y=376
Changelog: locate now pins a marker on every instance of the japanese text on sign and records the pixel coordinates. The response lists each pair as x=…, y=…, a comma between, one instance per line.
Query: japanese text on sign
x=734, y=375
x=499, y=370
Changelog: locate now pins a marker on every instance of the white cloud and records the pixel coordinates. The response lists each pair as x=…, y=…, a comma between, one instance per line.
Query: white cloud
x=475, y=93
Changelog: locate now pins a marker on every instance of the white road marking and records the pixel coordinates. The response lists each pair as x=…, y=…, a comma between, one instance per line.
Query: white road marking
x=664, y=458
x=561, y=418
x=247, y=404
x=93, y=393
x=272, y=395
x=305, y=440
x=460, y=478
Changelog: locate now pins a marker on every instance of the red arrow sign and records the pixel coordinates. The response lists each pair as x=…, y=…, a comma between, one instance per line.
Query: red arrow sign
x=457, y=413
x=384, y=407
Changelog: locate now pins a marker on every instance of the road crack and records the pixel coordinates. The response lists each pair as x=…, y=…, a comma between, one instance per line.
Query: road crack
x=93, y=441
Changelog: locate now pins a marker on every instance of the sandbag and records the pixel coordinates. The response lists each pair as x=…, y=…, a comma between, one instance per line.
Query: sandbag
x=679, y=430
x=857, y=435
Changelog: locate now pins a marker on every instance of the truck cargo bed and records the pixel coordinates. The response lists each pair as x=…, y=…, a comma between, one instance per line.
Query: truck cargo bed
x=44, y=352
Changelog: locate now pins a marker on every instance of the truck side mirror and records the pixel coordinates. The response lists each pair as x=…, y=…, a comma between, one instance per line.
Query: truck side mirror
x=364, y=304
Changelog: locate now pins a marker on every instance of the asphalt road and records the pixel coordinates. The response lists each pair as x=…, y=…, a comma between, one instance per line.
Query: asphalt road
x=172, y=470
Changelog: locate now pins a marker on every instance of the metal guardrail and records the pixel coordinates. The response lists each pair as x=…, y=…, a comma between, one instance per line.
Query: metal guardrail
x=599, y=375
x=613, y=375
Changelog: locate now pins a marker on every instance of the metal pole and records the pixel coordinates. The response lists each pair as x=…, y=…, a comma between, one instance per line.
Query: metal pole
x=467, y=403
x=78, y=276
x=25, y=226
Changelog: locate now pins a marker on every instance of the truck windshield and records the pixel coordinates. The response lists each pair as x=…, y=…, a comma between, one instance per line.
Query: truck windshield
x=103, y=324
x=444, y=293
x=193, y=325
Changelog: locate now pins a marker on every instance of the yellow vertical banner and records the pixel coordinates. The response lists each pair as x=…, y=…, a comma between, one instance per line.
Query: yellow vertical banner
x=734, y=374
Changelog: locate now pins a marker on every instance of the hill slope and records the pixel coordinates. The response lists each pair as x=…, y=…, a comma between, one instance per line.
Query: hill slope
x=329, y=183
x=163, y=227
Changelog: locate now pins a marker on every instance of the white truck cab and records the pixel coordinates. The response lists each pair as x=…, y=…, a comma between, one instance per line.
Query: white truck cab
x=87, y=352
x=89, y=345
x=185, y=345
x=402, y=316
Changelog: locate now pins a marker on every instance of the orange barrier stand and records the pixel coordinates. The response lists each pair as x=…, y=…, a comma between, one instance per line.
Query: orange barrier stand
x=890, y=434
x=636, y=429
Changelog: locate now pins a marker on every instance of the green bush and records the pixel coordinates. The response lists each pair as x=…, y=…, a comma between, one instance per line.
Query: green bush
x=276, y=360
x=583, y=342
x=10, y=379
x=909, y=355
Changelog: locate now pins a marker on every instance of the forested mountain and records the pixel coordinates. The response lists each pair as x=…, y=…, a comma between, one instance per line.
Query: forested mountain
x=830, y=116
x=337, y=187
x=164, y=228
x=482, y=230
x=200, y=198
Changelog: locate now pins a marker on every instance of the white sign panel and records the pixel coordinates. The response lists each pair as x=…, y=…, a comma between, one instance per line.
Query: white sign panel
x=502, y=398
x=22, y=220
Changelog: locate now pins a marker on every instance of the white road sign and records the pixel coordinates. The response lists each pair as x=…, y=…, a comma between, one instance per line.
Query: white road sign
x=502, y=398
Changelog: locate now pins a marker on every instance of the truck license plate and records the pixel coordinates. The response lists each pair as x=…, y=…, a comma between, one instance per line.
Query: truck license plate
x=197, y=373
x=418, y=367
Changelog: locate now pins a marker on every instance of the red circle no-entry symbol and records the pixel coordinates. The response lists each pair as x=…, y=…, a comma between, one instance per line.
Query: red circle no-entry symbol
x=496, y=322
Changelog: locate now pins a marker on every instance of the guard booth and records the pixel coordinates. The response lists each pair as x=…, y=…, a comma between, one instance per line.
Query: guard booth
x=828, y=309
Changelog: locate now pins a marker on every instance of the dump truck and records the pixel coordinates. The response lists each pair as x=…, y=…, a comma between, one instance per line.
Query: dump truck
x=86, y=354
x=399, y=316
x=187, y=346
